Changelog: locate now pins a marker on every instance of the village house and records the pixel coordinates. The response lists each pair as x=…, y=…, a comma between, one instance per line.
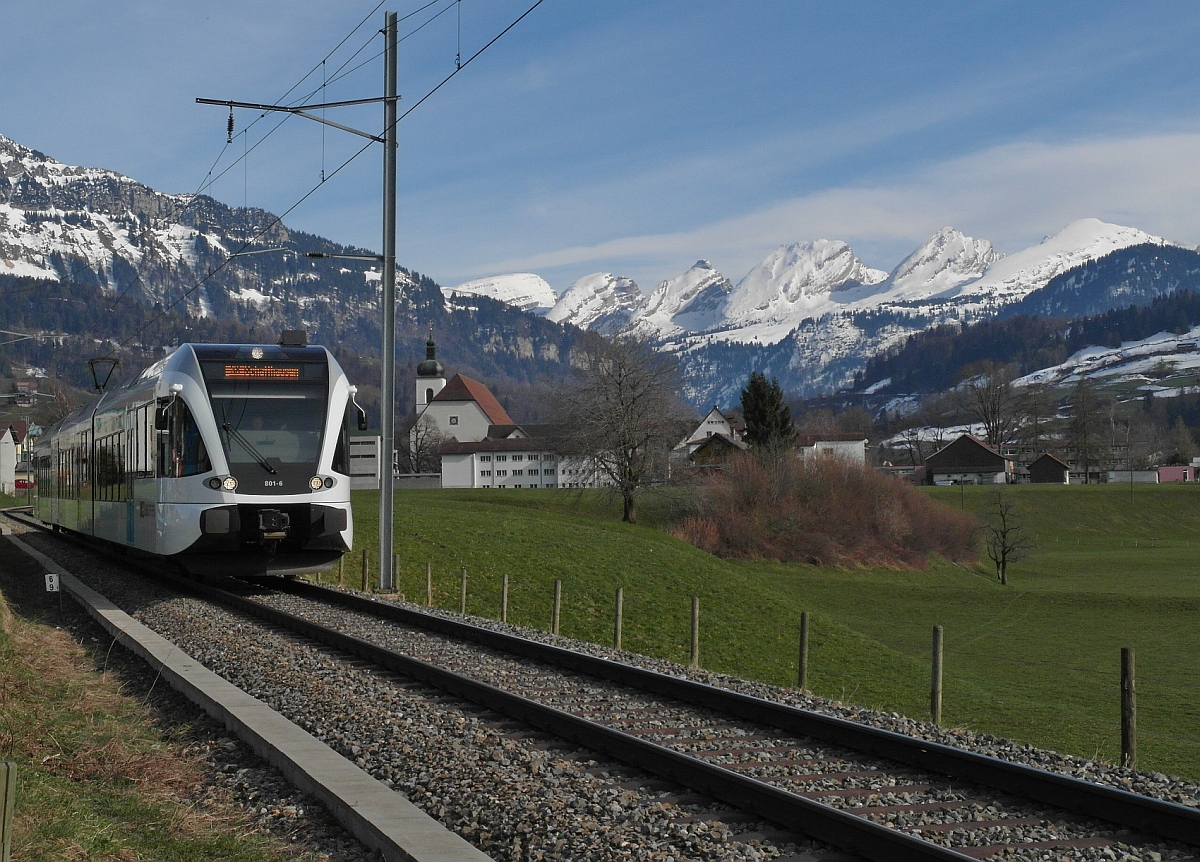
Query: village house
x=710, y=444
x=851, y=447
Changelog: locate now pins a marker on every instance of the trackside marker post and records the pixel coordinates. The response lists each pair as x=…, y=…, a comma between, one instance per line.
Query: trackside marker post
x=557, y=609
x=52, y=587
x=504, y=600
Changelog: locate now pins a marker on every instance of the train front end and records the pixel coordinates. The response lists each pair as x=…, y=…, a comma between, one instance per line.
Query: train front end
x=256, y=469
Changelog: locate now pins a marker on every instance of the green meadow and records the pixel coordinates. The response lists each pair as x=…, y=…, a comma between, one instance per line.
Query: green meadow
x=1036, y=661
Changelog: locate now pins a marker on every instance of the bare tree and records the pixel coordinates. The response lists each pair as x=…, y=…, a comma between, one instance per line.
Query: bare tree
x=626, y=414
x=418, y=444
x=1008, y=539
x=987, y=396
x=1036, y=408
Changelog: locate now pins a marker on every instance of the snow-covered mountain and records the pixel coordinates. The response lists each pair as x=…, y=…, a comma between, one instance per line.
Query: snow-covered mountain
x=951, y=278
x=792, y=283
x=601, y=302
x=524, y=290
x=691, y=302
x=96, y=226
x=946, y=260
x=1016, y=276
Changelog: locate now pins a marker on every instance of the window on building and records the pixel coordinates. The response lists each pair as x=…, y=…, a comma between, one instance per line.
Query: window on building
x=501, y=472
x=518, y=457
x=485, y=457
x=501, y=457
x=518, y=472
x=428, y=395
x=485, y=472
x=535, y=457
x=547, y=471
x=453, y=420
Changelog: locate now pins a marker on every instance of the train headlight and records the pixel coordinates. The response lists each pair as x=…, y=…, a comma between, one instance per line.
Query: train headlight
x=328, y=481
x=229, y=483
x=213, y=483
x=316, y=483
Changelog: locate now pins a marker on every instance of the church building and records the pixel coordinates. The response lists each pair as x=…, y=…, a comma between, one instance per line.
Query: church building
x=480, y=446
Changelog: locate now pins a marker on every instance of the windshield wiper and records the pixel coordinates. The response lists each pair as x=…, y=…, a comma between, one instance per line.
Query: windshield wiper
x=234, y=434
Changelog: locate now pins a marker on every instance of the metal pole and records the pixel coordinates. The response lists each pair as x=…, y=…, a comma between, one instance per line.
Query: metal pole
x=504, y=600
x=557, y=609
x=387, y=388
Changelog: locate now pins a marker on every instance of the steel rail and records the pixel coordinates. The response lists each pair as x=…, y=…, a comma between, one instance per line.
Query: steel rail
x=1143, y=813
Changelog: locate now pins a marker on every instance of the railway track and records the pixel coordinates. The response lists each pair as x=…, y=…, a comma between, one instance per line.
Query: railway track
x=872, y=792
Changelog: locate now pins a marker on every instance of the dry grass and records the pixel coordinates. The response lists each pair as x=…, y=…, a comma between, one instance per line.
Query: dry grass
x=98, y=779
x=825, y=512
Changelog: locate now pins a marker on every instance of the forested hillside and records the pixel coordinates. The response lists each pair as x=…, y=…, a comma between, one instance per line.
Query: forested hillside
x=935, y=360
x=516, y=353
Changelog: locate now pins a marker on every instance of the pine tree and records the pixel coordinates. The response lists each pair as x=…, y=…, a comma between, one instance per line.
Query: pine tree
x=768, y=418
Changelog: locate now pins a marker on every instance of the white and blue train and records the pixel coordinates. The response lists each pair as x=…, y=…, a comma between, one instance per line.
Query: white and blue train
x=227, y=458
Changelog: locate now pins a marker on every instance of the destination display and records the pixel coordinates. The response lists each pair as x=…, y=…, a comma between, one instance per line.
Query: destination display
x=308, y=372
x=262, y=372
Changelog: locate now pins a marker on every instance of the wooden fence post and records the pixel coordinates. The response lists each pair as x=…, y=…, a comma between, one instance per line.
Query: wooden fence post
x=694, y=657
x=1128, y=709
x=462, y=594
x=8, y=799
x=802, y=670
x=366, y=563
x=504, y=600
x=554, y=614
x=341, y=569
x=618, y=613
x=935, y=678
x=428, y=584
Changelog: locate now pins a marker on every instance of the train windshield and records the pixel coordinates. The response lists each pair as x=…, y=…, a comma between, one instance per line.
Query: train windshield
x=266, y=430
x=268, y=414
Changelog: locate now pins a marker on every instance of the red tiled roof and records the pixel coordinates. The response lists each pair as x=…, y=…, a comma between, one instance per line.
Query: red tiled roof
x=465, y=389
x=19, y=427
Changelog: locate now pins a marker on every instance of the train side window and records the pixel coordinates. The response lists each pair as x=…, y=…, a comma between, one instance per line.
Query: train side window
x=341, y=452
x=181, y=451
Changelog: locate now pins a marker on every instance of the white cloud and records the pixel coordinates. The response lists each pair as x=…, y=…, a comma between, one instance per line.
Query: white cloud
x=1012, y=194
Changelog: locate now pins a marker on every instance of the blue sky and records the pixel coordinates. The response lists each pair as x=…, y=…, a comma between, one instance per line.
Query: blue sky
x=637, y=137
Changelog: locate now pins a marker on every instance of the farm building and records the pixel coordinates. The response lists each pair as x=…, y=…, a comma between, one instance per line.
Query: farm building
x=1048, y=470
x=968, y=461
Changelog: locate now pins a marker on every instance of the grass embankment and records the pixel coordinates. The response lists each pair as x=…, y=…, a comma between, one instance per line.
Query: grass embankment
x=1035, y=661
x=97, y=778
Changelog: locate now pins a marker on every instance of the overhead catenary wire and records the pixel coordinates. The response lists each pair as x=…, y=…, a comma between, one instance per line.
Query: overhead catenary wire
x=279, y=218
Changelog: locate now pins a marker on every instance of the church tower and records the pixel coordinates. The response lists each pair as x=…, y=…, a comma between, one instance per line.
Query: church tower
x=431, y=376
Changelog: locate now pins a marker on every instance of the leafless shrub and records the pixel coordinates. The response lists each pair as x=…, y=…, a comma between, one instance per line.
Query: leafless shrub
x=824, y=511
